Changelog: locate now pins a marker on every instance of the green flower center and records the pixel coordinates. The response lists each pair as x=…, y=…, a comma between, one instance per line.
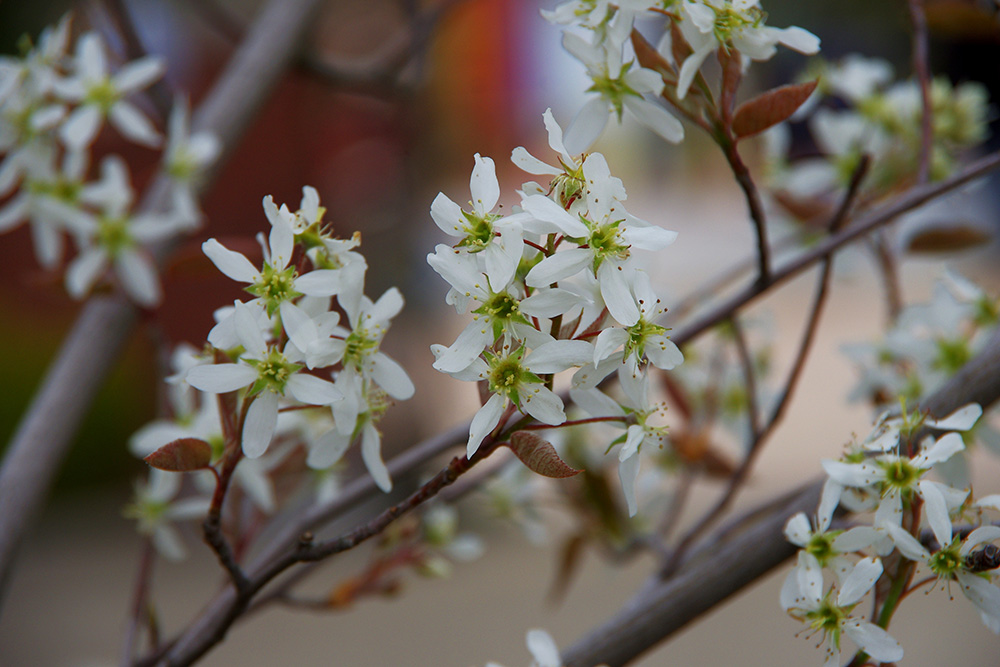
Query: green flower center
x=113, y=234
x=827, y=619
x=359, y=346
x=946, y=562
x=729, y=21
x=507, y=375
x=478, y=230
x=821, y=546
x=900, y=474
x=638, y=334
x=275, y=286
x=103, y=94
x=273, y=372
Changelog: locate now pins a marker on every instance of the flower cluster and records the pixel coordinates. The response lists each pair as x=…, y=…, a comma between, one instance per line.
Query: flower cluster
x=290, y=374
x=553, y=286
x=692, y=30
x=53, y=104
x=887, y=475
x=874, y=116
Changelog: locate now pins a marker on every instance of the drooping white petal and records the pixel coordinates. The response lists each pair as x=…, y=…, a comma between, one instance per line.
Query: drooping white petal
x=936, y=510
x=447, y=215
x=875, y=641
x=261, y=420
x=906, y=543
x=138, y=277
x=617, y=293
x=298, y=325
x=220, y=378
x=485, y=421
x=983, y=594
x=328, y=450
x=371, y=454
x=689, y=69
x=248, y=331
x=84, y=271
x=628, y=472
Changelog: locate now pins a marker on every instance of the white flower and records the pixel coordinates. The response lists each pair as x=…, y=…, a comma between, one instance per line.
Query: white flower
x=499, y=239
x=277, y=283
x=611, y=232
x=103, y=96
x=514, y=378
x=155, y=507
x=269, y=373
x=802, y=596
x=708, y=25
x=116, y=237
x=567, y=179
x=949, y=563
x=619, y=86
x=185, y=158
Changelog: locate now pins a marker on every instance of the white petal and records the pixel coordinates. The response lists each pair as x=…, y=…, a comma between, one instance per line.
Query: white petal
x=650, y=238
x=139, y=74
x=281, y=241
x=655, y=118
x=485, y=421
x=559, y=355
x=530, y=164
x=549, y=303
x=983, y=594
x=81, y=128
x=544, y=209
x=936, y=510
x=851, y=474
x=322, y=282
x=261, y=420
x=298, y=325
x=328, y=450
x=797, y=530
x=906, y=543
x=859, y=581
x=252, y=477
x=960, y=420
x=484, y=186
x=946, y=446
x=133, y=124
x=544, y=405
x=689, y=69
x=800, y=40
x=855, y=539
x=617, y=293
x=979, y=536
x=371, y=454
x=84, y=271
x=313, y=390
x=387, y=306
x=663, y=353
x=560, y=265
x=875, y=641
x=587, y=126
x=248, y=330
x=138, y=277
x=220, y=378
x=447, y=215
x=543, y=649
x=628, y=472
x=233, y=264
x=467, y=347
x=391, y=377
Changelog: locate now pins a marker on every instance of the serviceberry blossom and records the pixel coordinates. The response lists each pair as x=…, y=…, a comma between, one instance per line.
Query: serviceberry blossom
x=268, y=373
x=619, y=86
x=101, y=95
x=115, y=236
x=156, y=507
x=277, y=283
x=185, y=158
x=479, y=230
x=708, y=25
x=567, y=182
x=803, y=598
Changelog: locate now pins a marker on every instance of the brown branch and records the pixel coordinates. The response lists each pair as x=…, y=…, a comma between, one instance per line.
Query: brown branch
x=720, y=569
x=920, y=58
x=140, y=601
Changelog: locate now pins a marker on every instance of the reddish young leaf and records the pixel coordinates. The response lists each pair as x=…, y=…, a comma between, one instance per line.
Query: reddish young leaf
x=648, y=56
x=181, y=455
x=770, y=108
x=539, y=455
x=947, y=237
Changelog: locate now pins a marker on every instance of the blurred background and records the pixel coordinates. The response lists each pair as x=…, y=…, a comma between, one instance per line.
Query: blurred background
x=378, y=149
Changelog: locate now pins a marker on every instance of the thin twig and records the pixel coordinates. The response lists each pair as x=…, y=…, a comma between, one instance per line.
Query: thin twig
x=922, y=71
x=140, y=593
x=749, y=378
x=760, y=436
